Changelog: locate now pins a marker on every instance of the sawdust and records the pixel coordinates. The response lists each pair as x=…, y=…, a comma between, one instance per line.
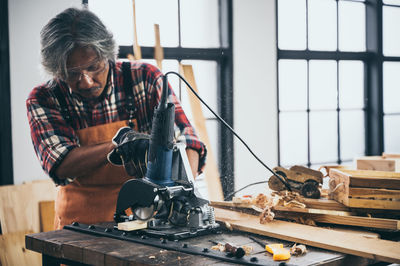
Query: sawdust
x=297, y=250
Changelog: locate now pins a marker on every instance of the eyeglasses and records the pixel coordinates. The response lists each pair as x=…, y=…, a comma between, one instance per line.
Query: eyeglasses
x=91, y=71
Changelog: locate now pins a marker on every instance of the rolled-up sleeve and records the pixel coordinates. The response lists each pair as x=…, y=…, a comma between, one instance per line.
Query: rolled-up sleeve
x=52, y=137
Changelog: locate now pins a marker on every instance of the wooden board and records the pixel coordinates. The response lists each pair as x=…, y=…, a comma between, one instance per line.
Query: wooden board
x=158, y=50
x=19, y=205
x=381, y=250
x=211, y=170
x=378, y=163
x=13, y=252
x=321, y=216
x=47, y=215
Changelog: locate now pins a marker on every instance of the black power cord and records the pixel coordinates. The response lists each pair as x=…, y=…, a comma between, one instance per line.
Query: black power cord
x=282, y=179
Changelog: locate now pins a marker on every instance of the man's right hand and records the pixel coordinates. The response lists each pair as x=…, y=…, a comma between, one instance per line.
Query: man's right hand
x=131, y=151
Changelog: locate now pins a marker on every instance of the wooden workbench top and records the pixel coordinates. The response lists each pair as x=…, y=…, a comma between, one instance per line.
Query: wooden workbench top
x=66, y=246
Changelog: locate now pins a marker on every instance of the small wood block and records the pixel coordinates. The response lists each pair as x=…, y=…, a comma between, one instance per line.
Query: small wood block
x=378, y=163
x=132, y=225
x=47, y=214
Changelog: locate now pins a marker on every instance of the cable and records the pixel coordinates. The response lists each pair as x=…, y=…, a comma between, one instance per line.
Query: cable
x=282, y=179
x=252, y=184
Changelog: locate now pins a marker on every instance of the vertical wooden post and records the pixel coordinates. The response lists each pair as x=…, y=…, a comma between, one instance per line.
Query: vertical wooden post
x=158, y=50
x=211, y=170
x=137, y=52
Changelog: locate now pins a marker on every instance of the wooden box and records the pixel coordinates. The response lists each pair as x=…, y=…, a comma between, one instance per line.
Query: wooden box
x=365, y=189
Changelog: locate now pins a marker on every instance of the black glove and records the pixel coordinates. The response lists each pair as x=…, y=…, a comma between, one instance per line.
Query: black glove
x=130, y=151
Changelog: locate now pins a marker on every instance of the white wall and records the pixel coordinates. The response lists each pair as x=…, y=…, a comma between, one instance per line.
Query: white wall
x=26, y=19
x=255, y=90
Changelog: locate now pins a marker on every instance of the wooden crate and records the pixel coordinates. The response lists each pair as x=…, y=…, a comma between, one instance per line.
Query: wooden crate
x=378, y=163
x=365, y=189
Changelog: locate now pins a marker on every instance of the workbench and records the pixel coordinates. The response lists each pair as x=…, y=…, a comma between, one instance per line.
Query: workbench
x=77, y=248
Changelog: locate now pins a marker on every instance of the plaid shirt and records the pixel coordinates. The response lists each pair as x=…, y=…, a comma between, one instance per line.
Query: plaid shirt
x=53, y=137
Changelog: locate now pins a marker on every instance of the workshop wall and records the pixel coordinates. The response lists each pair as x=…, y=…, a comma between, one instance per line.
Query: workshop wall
x=26, y=19
x=255, y=90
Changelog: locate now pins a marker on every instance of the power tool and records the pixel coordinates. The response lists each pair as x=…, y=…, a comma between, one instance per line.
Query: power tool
x=166, y=198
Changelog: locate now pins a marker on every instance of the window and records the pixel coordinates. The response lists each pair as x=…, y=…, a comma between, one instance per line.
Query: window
x=322, y=58
x=391, y=70
x=191, y=32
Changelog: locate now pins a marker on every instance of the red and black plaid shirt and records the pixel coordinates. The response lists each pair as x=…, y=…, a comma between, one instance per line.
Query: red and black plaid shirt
x=53, y=137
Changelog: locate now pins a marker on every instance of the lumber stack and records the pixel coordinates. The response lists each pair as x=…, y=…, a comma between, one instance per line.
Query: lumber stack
x=365, y=189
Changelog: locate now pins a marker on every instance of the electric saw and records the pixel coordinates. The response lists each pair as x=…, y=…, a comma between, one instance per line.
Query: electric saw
x=166, y=198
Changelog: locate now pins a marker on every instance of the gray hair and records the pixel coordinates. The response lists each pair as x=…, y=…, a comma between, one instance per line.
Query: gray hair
x=70, y=29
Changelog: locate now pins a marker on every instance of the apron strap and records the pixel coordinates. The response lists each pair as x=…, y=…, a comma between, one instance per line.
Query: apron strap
x=128, y=84
x=63, y=104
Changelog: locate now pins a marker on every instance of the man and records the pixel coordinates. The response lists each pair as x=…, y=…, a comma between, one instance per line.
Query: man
x=92, y=98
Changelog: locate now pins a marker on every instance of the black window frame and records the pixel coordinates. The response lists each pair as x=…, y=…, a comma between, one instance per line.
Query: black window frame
x=6, y=155
x=373, y=78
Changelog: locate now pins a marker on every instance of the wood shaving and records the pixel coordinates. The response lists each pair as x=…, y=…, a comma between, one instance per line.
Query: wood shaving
x=248, y=249
x=267, y=216
x=228, y=226
x=152, y=257
x=298, y=250
x=261, y=201
x=219, y=247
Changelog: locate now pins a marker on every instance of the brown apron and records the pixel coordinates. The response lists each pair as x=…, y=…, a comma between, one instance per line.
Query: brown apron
x=92, y=198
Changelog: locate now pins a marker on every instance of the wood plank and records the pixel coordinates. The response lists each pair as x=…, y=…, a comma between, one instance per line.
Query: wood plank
x=137, y=51
x=360, y=221
x=374, y=193
x=19, y=205
x=369, y=173
x=374, y=203
x=390, y=155
x=158, y=50
x=322, y=216
x=381, y=250
x=13, y=251
x=211, y=170
x=378, y=163
x=324, y=204
x=47, y=214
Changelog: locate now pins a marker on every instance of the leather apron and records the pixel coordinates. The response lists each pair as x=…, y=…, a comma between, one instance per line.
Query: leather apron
x=92, y=198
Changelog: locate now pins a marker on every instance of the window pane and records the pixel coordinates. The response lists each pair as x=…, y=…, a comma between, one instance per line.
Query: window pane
x=391, y=85
x=323, y=137
x=169, y=65
x=205, y=74
x=323, y=89
x=322, y=25
x=199, y=23
x=166, y=15
x=351, y=26
x=292, y=85
x=121, y=26
x=392, y=2
x=351, y=84
x=352, y=134
x=293, y=137
x=391, y=33
x=292, y=24
x=391, y=128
